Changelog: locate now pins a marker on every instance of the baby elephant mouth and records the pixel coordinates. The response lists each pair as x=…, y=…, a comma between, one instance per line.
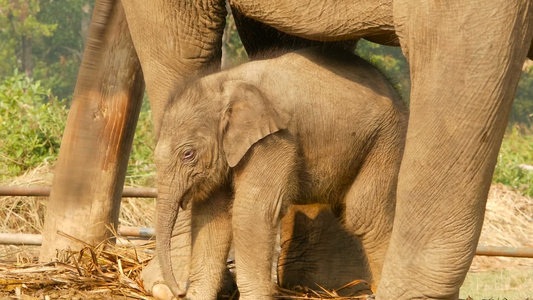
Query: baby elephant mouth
x=183, y=202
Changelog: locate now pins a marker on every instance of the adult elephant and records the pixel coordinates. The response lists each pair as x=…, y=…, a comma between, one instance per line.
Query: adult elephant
x=465, y=59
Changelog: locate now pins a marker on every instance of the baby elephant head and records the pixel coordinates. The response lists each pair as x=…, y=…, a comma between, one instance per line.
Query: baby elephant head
x=206, y=131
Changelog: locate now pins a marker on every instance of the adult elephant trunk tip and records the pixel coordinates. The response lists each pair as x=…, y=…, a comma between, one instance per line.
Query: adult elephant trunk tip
x=165, y=224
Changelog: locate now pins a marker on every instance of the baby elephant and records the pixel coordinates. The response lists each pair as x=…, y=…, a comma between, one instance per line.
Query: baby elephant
x=240, y=146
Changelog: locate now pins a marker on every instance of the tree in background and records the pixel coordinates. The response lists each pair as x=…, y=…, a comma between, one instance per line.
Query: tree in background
x=20, y=31
x=233, y=52
x=44, y=39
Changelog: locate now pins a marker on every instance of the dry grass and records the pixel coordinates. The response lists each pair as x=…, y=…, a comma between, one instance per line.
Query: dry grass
x=508, y=222
x=102, y=272
x=107, y=272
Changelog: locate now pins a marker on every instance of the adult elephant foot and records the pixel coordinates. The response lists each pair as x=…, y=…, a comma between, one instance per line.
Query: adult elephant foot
x=316, y=249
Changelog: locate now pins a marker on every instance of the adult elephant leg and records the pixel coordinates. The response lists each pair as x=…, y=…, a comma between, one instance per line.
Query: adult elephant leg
x=175, y=41
x=530, y=52
x=465, y=59
x=90, y=172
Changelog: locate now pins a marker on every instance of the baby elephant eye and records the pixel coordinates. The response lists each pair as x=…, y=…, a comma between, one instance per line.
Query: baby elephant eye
x=188, y=155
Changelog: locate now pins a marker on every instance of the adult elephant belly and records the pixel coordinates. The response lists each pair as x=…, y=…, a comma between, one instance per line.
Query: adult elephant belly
x=320, y=20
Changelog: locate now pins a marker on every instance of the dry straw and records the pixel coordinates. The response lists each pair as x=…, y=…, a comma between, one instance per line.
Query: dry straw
x=99, y=272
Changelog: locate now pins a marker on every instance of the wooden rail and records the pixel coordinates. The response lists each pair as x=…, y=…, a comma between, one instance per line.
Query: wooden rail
x=144, y=232
x=36, y=239
x=42, y=191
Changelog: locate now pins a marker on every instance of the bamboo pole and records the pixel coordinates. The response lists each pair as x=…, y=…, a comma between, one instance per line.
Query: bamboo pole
x=36, y=239
x=146, y=232
x=504, y=251
x=42, y=191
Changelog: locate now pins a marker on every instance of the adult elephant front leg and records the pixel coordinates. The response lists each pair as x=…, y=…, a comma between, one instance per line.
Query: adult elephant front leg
x=174, y=42
x=465, y=59
x=91, y=167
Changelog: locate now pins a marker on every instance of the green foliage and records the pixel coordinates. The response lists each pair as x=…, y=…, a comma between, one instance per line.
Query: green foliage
x=20, y=26
x=32, y=123
x=18, y=21
x=517, y=148
x=522, y=110
x=141, y=167
x=58, y=57
x=390, y=61
x=234, y=53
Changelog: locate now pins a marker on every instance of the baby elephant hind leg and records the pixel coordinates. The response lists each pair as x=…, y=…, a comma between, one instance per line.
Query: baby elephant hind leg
x=370, y=203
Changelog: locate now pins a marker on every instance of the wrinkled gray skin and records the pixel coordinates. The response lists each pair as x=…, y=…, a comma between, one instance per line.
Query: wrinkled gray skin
x=240, y=146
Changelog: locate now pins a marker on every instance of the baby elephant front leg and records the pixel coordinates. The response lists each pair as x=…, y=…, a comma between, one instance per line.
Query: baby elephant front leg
x=211, y=240
x=263, y=186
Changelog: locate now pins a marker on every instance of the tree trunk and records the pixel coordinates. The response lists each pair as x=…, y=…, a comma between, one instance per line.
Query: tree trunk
x=27, y=64
x=91, y=167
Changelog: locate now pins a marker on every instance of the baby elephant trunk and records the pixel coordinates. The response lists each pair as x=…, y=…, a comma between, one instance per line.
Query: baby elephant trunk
x=167, y=213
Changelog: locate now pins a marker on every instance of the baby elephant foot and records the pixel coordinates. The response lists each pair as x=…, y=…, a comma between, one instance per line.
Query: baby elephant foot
x=162, y=292
x=154, y=283
x=227, y=289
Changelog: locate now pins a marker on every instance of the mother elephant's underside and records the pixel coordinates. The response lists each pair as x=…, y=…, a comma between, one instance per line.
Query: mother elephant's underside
x=465, y=59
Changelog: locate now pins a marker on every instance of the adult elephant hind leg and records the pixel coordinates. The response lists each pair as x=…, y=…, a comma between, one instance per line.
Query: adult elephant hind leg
x=465, y=60
x=370, y=201
x=188, y=43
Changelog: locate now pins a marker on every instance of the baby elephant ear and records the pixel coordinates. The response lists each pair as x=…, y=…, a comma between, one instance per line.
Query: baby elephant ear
x=248, y=117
